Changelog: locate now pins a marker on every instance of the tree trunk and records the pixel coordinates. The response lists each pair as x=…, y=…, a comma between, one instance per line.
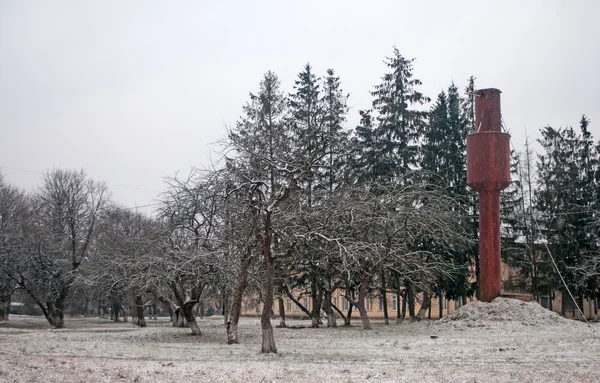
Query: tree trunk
x=424, y=306
x=316, y=307
x=319, y=307
x=175, y=317
x=225, y=309
x=202, y=309
x=114, y=313
x=404, y=305
x=440, y=304
x=429, y=310
x=236, y=307
x=124, y=313
x=331, y=320
x=180, y=317
x=171, y=308
x=399, y=311
x=139, y=309
x=268, y=340
x=384, y=299
x=314, y=322
x=362, y=295
x=57, y=312
x=339, y=312
x=281, y=312
x=410, y=292
x=188, y=315
x=300, y=305
x=4, y=309
x=348, y=315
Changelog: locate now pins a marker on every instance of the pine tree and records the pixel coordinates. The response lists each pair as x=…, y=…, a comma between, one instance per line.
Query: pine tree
x=367, y=163
x=399, y=125
x=587, y=233
x=263, y=133
x=468, y=107
x=512, y=224
x=435, y=142
x=521, y=249
x=470, y=198
x=334, y=137
x=308, y=128
x=564, y=199
x=444, y=163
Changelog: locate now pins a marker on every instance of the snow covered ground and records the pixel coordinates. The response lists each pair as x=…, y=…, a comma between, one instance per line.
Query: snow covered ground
x=97, y=350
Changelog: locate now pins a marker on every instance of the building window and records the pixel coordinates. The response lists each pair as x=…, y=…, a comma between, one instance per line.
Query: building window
x=345, y=305
x=394, y=302
x=570, y=304
x=380, y=303
x=288, y=304
x=306, y=303
x=368, y=304
x=545, y=301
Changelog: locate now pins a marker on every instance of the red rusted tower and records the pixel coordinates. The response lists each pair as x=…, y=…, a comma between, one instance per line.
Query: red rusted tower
x=488, y=172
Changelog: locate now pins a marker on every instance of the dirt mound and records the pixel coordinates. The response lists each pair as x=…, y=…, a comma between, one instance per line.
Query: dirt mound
x=502, y=312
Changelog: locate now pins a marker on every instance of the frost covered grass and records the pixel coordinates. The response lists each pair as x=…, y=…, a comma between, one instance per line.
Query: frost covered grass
x=98, y=350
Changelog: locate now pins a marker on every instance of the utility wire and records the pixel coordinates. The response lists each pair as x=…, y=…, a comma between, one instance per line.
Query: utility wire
x=113, y=185
x=562, y=279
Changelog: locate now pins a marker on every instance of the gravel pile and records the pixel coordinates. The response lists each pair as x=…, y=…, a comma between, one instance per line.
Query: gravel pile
x=504, y=311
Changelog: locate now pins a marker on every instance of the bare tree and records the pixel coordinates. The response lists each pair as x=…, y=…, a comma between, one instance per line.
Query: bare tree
x=15, y=210
x=67, y=207
x=190, y=211
x=128, y=246
x=384, y=228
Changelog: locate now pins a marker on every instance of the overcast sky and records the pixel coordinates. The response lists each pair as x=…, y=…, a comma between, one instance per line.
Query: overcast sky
x=132, y=91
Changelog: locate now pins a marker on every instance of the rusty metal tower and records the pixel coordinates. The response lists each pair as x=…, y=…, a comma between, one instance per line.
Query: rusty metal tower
x=488, y=172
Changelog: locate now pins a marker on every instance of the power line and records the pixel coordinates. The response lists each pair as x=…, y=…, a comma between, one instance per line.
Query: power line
x=136, y=207
x=113, y=185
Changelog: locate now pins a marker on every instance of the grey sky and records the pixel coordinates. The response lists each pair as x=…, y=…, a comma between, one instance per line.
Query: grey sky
x=132, y=91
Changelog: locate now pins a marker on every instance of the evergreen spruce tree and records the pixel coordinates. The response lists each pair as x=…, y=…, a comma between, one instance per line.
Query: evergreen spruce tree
x=470, y=198
x=467, y=106
x=398, y=125
x=366, y=162
x=587, y=233
x=564, y=200
x=308, y=128
x=334, y=138
x=444, y=165
x=262, y=129
x=434, y=161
